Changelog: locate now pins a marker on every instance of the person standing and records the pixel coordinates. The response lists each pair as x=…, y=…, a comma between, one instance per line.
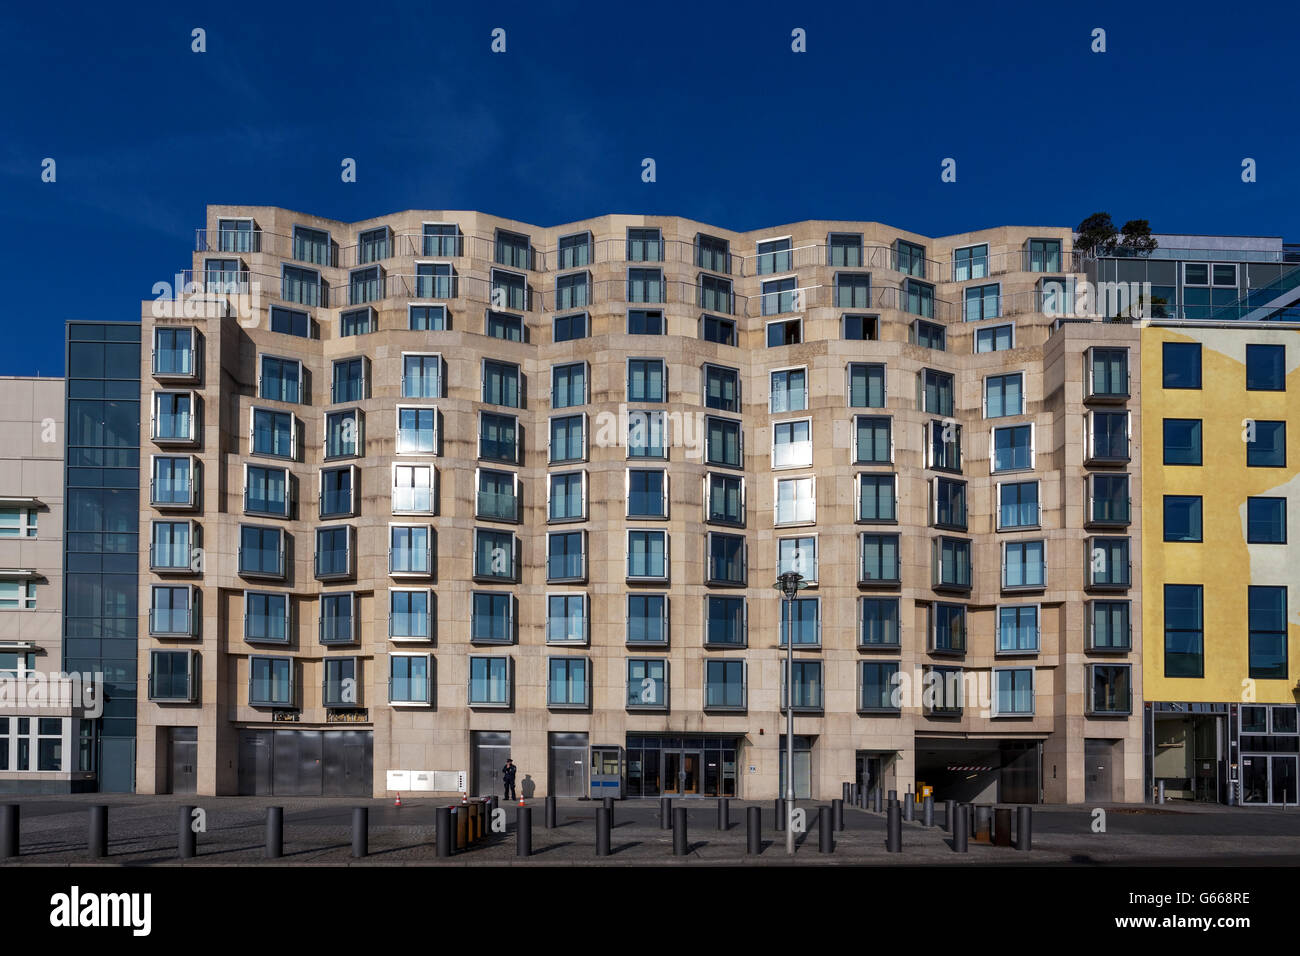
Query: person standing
x=508, y=778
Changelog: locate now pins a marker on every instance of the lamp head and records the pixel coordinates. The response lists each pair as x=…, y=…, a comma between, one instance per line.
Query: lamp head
x=789, y=583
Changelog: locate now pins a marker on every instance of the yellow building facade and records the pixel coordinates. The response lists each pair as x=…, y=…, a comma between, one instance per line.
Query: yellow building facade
x=1221, y=571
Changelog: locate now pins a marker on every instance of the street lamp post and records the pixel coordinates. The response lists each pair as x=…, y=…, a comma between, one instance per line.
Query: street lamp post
x=789, y=584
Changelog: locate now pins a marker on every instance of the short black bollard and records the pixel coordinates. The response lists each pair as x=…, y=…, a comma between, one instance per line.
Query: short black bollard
x=360, y=831
x=909, y=808
x=959, y=827
x=9, y=840
x=603, y=824
x=894, y=828
x=826, y=829
x=609, y=805
x=724, y=814
x=837, y=813
x=185, y=839
x=893, y=795
x=442, y=831
x=846, y=792
x=274, y=833
x=679, y=831
x=459, y=821
x=665, y=813
x=876, y=797
x=927, y=811
x=983, y=824
x=780, y=815
x=949, y=809
x=524, y=831
x=753, y=830
x=550, y=813
x=98, y=843
x=1002, y=826
x=1024, y=828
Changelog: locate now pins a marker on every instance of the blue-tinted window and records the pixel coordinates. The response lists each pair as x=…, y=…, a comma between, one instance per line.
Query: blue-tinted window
x=569, y=327
x=1268, y=449
x=1182, y=364
x=1184, y=631
x=1268, y=632
x=1018, y=504
x=1183, y=441
x=1266, y=520
x=1182, y=517
x=1266, y=368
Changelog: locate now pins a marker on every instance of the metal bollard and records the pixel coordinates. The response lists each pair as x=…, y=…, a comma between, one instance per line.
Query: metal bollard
x=461, y=820
x=894, y=829
x=98, y=842
x=665, y=813
x=442, y=831
x=602, y=831
x=876, y=795
x=274, y=833
x=1002, y=826
x=983, y=824
x=1024, y=828
x=837, y=813
x=724, y=814
x=927, y=812
x=185, y=837
x=9, y=826
x=1161, y=798
x=826, y=829
x=846, y=792
x=524, y=831
x=893, y=795
x=679, y=831
x=609, y=805
x=949, y=808
x=909, y=808
x=753, y=830
x=780, y=815
x=360, y=831
x=959, y=825
x=550, y=813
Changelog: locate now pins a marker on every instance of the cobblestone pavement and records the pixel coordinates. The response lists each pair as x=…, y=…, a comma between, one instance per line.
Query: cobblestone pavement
x=317, y=831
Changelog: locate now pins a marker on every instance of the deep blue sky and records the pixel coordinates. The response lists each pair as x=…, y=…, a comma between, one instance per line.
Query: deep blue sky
x=745, y=132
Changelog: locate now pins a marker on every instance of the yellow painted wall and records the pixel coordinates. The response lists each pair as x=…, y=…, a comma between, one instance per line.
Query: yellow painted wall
x=1224, y=564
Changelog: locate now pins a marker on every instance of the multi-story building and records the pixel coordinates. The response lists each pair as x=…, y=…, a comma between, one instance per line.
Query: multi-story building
x=437, y=488
x=46, y=727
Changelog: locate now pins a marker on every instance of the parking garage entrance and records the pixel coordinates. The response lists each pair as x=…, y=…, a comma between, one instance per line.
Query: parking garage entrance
x=980, y=771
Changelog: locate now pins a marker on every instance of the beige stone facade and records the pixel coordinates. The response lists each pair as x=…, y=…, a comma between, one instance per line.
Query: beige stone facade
x=820, y=289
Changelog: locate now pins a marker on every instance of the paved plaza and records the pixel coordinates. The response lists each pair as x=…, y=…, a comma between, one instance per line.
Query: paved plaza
x=317, y=831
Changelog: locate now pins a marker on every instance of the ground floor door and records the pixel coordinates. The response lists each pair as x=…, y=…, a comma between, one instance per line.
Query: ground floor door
x=1268, y=779
x=681, y=775
x=802, y=768
x=869, y=773
x=182, y=759
x=1098, y=756
x=489, y=751
x=568, y=770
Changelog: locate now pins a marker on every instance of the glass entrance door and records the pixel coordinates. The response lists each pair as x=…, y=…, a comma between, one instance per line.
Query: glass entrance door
x=1282, y=777
x=1269, y=779
x=681, y=772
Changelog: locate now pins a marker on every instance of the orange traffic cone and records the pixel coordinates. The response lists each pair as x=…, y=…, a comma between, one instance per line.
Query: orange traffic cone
x=398, y=802
x=521, y=800
x=464, y=800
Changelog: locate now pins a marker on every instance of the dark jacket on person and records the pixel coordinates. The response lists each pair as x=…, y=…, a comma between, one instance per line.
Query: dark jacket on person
x=508, y=773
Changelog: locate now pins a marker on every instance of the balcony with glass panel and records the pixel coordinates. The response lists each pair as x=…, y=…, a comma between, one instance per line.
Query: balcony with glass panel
x=173, y=485
x=494, y=556
x=1108, y=379
x=1107, y=439
x=410, y=679
x=171, y=613
x=266, y=617
x=261, y=552
x=171, y=546
x=410, y=552
x=340, y=687
x=808, y=688
x=338, y=621
x=270, y=682
x=1108, y=500
x=334, y=557
x=409, y=617
x=174, y=418
x=175, y=354
x=489, y=682
x=497, y=498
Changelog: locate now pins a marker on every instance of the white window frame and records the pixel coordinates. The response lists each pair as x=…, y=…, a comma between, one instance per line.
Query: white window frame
x=428, y=549
x=585, y=640
x=514, y=475
x=997, y=505
x=442, y=374
x=428, y=616
x=1033, y=443
x=433, y=486
x=549, y=491
x=587, y=668
x=811, y=580
x=1003, y=585
x=665, y=618
x=195, y=414
x=797, y=320
x=792, y=421
x=192, y=609
x=437, y=436
x=992, y=328
x=771, y=393
x=776, y=500
x=1033, y=693
x=27, y=517
x=430, y=679
x=510, y=682
x=997, y=629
